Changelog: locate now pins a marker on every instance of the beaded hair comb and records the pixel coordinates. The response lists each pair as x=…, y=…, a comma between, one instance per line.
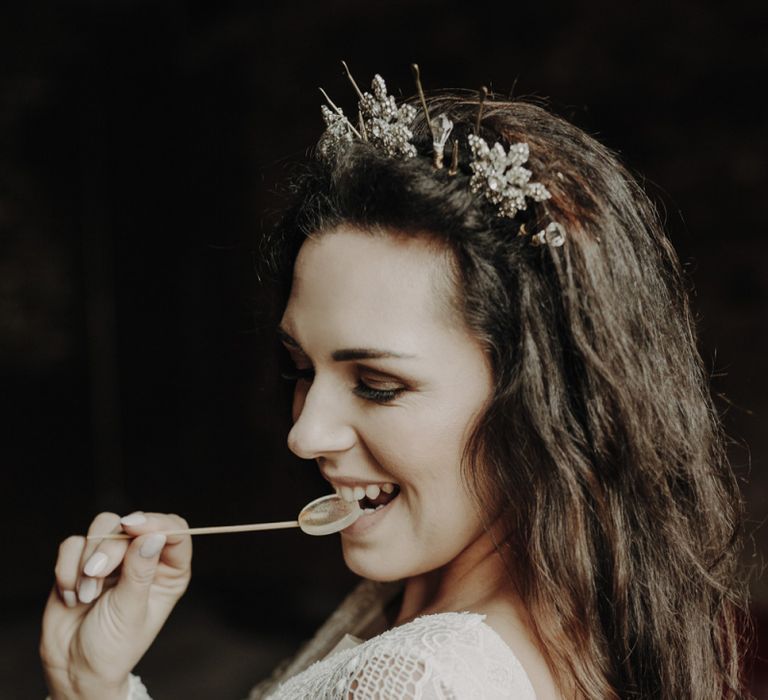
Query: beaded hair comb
x=497, y=173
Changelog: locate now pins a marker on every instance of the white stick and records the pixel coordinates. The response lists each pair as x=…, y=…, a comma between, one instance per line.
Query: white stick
x=205, y=530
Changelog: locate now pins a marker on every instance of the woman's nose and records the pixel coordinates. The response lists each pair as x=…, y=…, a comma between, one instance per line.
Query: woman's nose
x=320, y=427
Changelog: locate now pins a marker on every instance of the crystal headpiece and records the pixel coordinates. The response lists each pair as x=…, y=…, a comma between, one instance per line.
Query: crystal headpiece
x=498, y=173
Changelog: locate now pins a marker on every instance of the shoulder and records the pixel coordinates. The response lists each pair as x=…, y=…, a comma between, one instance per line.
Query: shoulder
x=446, y=633
x=466, y=654
x=435, y=656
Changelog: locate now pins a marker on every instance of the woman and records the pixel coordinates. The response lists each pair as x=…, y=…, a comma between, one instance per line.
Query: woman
x=493, y=352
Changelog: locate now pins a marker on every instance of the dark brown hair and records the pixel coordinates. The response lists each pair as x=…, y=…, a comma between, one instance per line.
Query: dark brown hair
x=601, y=437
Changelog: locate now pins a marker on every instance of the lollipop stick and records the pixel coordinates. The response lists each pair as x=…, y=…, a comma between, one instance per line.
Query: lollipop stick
x=205, y=530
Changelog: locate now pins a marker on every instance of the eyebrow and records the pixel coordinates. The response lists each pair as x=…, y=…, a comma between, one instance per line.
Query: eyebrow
x=346, y=354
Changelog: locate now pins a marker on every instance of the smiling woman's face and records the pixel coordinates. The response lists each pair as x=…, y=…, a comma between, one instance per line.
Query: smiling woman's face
x=390, y=382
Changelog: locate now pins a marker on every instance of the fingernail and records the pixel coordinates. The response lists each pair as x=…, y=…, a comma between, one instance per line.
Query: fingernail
x=95, y=564
x=70, y=599
x=133, y=519
x=152, y=545
x=86, y=591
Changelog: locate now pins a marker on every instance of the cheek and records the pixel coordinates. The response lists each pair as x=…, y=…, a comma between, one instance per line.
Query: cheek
x=424, y=456
x=427, y=436
x=401, y=444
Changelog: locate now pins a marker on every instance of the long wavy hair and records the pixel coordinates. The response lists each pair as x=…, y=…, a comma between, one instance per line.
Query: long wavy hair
x=600, y=447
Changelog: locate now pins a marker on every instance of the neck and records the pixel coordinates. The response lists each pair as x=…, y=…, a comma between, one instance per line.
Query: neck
x=469, y=582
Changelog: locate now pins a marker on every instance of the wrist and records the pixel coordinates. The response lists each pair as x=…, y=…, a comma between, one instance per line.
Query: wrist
x=98, y=689
x=90, y=689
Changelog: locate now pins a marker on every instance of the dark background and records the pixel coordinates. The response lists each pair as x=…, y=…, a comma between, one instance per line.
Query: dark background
x=141, y=144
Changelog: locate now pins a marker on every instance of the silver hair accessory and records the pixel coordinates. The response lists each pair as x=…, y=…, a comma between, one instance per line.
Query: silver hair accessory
x=440, y=127
x=498, y=173
x=338, y=129
x=553, y=235
x=385, y=125
x=501, y=177
x=388, y=126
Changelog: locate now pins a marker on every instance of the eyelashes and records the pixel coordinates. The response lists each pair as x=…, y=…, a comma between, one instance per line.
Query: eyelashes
x=369, y=393
x=289, y=370
x=291, y=373
x=294, y=374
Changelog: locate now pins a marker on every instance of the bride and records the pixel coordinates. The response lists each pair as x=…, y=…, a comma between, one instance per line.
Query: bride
x=493, y=352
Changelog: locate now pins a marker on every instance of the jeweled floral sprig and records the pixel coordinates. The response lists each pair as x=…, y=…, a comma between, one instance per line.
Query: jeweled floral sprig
x=499, y=174
x=338, y=129
x=387, y=125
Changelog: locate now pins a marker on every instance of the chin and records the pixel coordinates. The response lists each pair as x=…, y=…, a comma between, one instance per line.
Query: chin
x=370, y=566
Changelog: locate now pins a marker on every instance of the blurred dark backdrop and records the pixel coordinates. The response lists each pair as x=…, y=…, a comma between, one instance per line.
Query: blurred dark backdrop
x=141, y=144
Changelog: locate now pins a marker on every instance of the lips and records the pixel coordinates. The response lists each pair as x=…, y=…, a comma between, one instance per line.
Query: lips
x=373, y=498
x=371, y=515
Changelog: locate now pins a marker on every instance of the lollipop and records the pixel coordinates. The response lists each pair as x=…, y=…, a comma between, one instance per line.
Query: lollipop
x=323, y=516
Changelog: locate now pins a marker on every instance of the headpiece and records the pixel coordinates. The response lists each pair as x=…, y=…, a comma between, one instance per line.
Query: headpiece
x=498, y=173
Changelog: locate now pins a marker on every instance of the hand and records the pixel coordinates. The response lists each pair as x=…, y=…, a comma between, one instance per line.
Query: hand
x=110, y=600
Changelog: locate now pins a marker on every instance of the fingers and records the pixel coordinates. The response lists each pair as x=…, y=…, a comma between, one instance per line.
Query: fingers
x=178, y=549
x=80, y=568
x=131, y=594
x=150, y=550
x=83, y=565
x=99, y=557
x=67, y=569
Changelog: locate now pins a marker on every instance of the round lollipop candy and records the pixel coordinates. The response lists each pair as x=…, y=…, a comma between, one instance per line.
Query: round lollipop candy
x=328, y=514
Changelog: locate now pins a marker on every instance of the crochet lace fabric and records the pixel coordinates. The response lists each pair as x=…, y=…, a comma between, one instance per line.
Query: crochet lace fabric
x=136, y=690
x=448, y=656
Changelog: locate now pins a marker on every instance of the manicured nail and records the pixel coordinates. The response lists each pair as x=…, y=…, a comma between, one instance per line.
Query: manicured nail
x=70, y=599
x=86, y=591
x=95, y=565
x=152, y=545
x=133, y=519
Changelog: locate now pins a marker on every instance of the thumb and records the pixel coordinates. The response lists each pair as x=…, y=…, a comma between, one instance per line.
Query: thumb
x=131, y=593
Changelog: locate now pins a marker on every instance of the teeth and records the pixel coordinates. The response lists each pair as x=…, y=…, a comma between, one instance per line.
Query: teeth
x=347, y=494
x=356, y=493
x=368, y=511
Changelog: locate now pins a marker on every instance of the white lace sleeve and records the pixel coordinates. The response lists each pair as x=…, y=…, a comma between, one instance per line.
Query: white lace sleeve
x=450, y=656
x=136, y=690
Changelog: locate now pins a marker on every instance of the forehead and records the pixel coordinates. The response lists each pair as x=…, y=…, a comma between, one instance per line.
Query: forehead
x=378, y=280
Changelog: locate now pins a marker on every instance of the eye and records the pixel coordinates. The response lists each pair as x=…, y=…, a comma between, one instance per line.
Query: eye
x=295, y=374
x=378, y=390
x=290, y=369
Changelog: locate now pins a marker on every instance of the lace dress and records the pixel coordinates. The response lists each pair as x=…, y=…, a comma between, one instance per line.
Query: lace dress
x=450, y=656
x=447, y=656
